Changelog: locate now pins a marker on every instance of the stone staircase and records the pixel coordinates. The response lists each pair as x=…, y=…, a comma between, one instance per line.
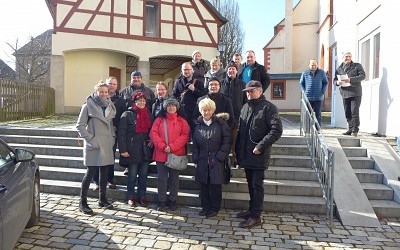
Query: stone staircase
x=372, y=180
x=290, y=184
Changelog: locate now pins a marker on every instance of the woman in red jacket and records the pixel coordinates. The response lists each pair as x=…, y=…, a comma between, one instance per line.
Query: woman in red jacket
x=178, y=136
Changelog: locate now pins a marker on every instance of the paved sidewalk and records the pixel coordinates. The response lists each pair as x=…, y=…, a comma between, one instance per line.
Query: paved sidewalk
x=62, y=226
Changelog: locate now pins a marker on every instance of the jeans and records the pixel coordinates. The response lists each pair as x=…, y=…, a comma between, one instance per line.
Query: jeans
x=90, y=171
x=255, y=183
x=317, y=108
x=167, y=177
x=352, y=112
x=137, y=172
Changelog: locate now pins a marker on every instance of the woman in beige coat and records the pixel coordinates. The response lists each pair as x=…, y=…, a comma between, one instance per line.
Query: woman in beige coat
x=94, y=125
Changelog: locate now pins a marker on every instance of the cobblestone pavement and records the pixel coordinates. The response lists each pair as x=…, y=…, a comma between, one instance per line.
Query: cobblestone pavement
x=62, y=226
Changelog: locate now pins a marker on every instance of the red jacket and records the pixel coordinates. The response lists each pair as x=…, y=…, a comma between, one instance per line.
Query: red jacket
x=178, y=136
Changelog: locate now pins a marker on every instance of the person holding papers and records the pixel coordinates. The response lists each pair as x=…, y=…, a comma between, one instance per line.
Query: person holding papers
x=349, y=76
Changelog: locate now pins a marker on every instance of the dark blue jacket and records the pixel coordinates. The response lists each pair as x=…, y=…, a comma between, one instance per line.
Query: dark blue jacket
x=314, y=85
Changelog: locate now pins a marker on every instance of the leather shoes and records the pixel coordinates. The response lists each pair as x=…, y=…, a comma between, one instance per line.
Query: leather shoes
x=203, y=212
x=172, y=205
x=161, y=206
x=244, y=214
x=143, y=202
x=211, y=214
x=250, y=222
x=348, y=132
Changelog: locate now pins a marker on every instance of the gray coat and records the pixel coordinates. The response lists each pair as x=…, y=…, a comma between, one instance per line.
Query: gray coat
x=97, y=132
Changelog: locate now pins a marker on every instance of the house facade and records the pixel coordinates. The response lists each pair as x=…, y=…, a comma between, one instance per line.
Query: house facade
x=288, y=53
x=95, y=39
x=367, y=29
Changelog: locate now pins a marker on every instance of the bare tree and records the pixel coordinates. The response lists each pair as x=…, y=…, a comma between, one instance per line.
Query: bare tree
x=32, y=60
x=232, y=33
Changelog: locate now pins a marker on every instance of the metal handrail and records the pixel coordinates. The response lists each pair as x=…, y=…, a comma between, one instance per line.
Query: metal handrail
x=322, y=157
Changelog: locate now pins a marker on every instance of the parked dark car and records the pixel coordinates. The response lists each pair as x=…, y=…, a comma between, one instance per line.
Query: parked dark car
x=19, y=193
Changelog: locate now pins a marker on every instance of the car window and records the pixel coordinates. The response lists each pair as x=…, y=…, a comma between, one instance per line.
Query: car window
x=5, y=156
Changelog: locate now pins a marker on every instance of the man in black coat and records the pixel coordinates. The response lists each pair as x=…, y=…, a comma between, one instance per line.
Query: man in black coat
x=259, y=127
x=351, y=74
x=223, y=104
x=187, y=89
x=254, y=71
x=137, y=85
x=232, y=87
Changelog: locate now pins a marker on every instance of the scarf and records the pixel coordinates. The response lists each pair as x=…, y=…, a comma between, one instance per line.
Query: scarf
x=142, y=119
x=172, y=117
x=104, y=103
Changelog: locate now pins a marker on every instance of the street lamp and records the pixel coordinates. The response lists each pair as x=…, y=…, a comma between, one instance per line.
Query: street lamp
x=221, y=48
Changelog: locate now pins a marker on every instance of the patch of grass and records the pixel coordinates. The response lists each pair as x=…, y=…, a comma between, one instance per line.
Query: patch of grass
x=53, y=121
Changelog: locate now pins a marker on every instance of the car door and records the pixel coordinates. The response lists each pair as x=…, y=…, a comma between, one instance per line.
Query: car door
x=14, y=197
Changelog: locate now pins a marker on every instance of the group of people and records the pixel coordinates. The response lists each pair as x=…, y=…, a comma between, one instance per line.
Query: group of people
x=221, y=111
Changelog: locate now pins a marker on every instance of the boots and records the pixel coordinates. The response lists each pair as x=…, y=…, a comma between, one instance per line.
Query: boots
x=104, y=203
x=84, y=207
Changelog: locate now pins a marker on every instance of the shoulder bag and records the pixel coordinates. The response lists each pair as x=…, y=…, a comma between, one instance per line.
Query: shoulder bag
x=174, y=161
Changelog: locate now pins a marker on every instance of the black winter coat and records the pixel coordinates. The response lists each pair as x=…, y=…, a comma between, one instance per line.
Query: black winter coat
x=127, y=93
x=260, y=126
x=130, y=141
x=189, y=98
x=211, y=147
x=356, y=73
x=120, y=106
x=223, y=105
x=232, y=88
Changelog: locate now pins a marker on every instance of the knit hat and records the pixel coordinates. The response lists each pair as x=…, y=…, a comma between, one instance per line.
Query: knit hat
x=136, y=73
x=195, y=52
x=232, y=64
x=138, y=94
x=171, y=101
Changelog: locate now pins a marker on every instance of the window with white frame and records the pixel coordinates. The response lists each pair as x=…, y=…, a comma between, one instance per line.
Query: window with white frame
x=370, y=55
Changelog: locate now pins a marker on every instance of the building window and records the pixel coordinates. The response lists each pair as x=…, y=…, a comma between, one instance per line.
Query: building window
x=278, y=90
x=370, y=55
x=152, y=22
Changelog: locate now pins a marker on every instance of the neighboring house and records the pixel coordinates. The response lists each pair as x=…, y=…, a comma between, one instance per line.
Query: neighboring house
x=6, y=72
x=289, y=51
x=95, y=39
x=32, y=61
x=324, y=30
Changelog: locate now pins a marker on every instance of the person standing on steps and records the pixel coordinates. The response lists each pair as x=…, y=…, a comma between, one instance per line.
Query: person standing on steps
x=348, y=77
x=259, y=128
x=95, y=126
x=177, y=130
x=314, y=84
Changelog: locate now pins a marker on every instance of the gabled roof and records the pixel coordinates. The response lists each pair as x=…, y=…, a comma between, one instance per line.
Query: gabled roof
x=41, y=41
x=6, y=72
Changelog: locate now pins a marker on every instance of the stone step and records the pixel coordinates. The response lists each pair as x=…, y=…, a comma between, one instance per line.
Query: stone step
x=278, y=149
x=51, y=150
x=368, y=175
x=386, y=208
x=39, y=132
x=375, y=191
x=355, y=151
x=361, y=162
x=290, y=160
x=230, y=200
x=291, y=173
x=43, y=140
x=280, y=187
x=349, y=142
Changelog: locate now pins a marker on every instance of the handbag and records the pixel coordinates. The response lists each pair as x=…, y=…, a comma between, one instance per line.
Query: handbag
x=147, y=152
x=174, y=161
x=227, y=171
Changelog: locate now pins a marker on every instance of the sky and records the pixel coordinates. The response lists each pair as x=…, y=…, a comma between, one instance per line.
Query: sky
x=20, y=19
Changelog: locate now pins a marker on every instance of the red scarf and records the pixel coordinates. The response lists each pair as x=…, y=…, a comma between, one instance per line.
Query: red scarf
x=142, y=120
